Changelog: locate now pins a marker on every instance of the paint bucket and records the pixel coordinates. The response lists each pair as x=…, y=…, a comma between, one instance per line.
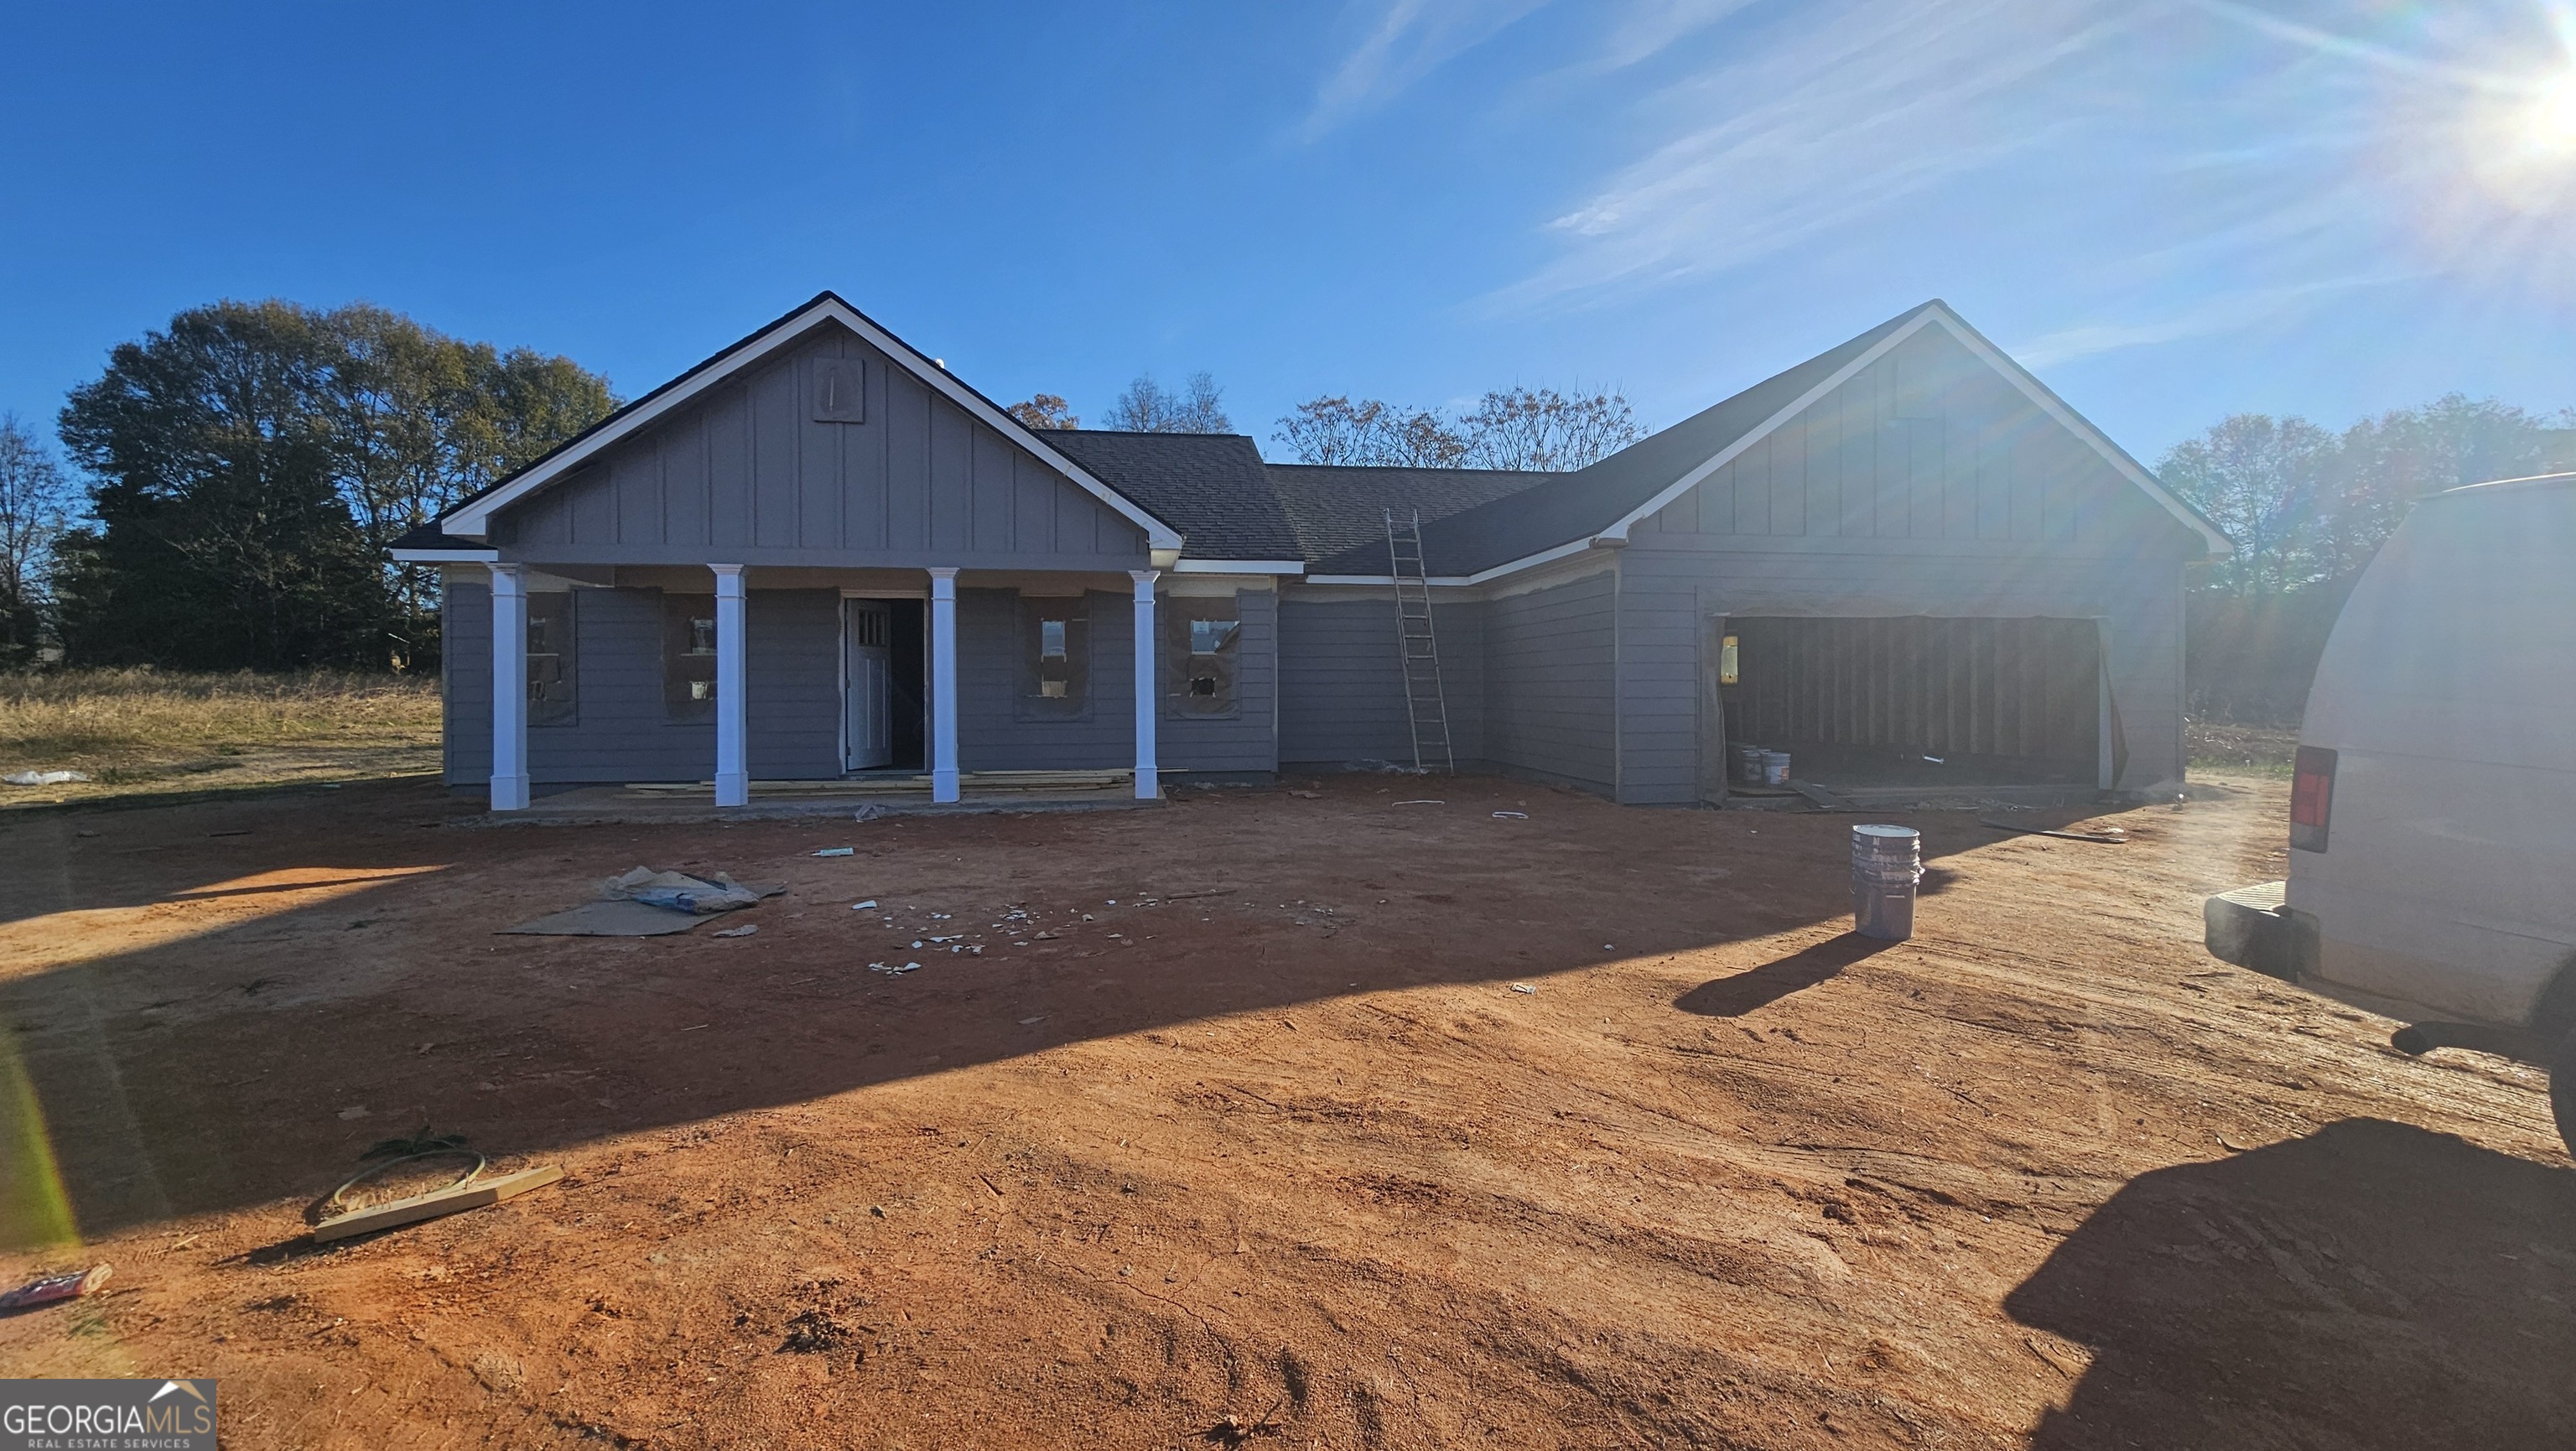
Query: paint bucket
x=1887, y=862
x=1748, y=764
x=1775, y=768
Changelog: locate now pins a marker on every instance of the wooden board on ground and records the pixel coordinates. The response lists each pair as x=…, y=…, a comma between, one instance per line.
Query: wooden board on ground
x=395, y=1213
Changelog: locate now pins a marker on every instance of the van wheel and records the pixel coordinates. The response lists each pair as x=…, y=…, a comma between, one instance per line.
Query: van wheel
x=2562, y=1090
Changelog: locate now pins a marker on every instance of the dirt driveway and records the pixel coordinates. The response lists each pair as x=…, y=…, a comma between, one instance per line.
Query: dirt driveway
x=1248, y=1133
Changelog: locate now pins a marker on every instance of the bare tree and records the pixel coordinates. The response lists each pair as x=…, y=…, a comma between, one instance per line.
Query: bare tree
x=1044, y=410
x=1522, y=428
x=1147, y=407
x=1336, y=430
x=1540, y=428
x=36, y=506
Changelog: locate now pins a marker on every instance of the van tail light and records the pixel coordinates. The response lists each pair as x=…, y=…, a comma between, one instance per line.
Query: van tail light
x=2311, y=797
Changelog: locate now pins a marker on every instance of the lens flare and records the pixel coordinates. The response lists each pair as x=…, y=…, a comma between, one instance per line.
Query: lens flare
x=2550, y=122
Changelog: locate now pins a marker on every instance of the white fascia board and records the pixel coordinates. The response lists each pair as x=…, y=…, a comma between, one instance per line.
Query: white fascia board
x=1463, y=581
x=474, y=520
x=1798, y=405
x=447, y=556
x=2075, y=423
x=1386, y=581
x=1239, y=566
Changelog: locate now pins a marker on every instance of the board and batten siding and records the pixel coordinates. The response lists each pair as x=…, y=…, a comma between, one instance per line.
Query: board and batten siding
x=1927, y=444
x=1341, y=679
x=1925, y=485
x=748, y=475
x=620, y=731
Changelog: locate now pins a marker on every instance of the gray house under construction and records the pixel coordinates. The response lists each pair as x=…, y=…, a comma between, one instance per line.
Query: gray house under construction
x=819, y=555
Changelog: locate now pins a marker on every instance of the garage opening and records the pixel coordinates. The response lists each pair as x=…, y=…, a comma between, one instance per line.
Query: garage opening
x=1913, y=701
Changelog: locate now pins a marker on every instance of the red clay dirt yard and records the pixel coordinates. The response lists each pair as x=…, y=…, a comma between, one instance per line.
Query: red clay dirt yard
x=1260, y=1118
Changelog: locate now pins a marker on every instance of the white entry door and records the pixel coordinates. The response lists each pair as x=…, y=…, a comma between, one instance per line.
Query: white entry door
x=867, y=696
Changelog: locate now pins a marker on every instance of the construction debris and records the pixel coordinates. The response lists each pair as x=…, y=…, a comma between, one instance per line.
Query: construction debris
x=53, y=1288
x=456, y=1198
x=679, y=892
x=2113, y=836
x=647, y=903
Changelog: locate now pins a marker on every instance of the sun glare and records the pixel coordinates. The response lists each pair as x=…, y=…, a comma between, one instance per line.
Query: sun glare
x=2551, y=120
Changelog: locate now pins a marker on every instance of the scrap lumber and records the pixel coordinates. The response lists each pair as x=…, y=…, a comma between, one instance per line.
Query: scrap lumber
x=1823, y=799
x=456, y=1199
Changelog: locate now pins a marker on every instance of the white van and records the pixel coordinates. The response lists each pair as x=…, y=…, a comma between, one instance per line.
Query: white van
x=2433, y=809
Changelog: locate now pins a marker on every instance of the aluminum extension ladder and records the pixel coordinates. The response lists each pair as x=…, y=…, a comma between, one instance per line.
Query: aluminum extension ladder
x=1426, y=705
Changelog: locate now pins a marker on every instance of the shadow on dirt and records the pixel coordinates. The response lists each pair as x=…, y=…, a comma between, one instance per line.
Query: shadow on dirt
x=2240, y=1303
x=1743, y=992
x=250, y=1059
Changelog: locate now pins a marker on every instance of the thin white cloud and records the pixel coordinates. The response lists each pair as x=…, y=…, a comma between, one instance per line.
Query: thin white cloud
x=1830, y=117
x=2209, y=317
x=1654, y=26
x=1408, y=40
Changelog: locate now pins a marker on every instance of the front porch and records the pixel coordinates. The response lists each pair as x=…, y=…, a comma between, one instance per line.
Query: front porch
x=653, y=690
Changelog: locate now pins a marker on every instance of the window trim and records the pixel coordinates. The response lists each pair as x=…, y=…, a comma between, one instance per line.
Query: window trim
x=568, y=662
x=1030, y=616
x=695, y=712
x=1181, y=614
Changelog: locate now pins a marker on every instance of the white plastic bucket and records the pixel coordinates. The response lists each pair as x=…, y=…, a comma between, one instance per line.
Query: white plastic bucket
x=1887, y=863
x=1775, y=768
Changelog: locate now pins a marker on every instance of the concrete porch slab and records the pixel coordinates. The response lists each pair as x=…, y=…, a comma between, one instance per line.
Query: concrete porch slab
x=666, y=805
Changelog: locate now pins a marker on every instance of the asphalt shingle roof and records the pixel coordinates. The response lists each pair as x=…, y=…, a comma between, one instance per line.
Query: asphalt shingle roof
x=1209, y=486
x=1339, y=512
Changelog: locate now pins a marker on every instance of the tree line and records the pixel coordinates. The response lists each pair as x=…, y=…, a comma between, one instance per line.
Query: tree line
x=2307, y=508
x=247, y=468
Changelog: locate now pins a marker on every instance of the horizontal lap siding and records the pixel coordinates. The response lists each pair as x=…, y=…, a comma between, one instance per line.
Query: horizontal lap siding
x=746, y=474
x=1247, y=740
x=1548, y=678
x=990, y=737
x=465, y=679
x=1658, y=691
x=794, y=667
x=1341, y=680
x=619, y=731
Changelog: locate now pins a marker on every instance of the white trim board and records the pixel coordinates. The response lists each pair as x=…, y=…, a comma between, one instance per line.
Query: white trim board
x=1239, y=566
x=474, y=520
x=447, y=556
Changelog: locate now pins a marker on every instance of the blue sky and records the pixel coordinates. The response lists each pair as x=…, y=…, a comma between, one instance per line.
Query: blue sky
x=2171, y=210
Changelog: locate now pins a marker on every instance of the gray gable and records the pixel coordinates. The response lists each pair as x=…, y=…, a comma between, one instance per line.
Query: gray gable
x=824, y=452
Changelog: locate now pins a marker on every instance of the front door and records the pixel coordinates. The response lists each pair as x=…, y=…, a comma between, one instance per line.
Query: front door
x=868, y=675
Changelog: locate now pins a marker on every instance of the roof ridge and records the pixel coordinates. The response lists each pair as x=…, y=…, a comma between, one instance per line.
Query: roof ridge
x=1142, y=432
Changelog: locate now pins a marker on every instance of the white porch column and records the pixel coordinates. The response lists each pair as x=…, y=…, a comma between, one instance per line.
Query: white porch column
x=943, y=685
x=1148, y=777
x=733, y=714
x=509, y=688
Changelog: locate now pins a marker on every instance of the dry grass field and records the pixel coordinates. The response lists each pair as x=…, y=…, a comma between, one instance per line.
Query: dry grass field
x=145, y=732
x=2219, y=746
